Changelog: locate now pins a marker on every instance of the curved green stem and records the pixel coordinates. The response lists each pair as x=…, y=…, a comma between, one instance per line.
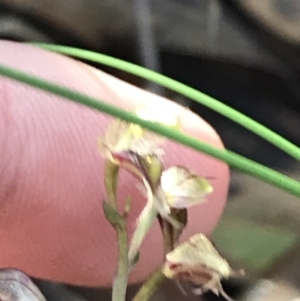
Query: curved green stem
x=150, y=286
x=185, y=90
x=118, y=222
x=239, y=162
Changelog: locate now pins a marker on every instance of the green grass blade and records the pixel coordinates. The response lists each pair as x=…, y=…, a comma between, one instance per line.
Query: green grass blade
x=208, y=101
x=248, y=166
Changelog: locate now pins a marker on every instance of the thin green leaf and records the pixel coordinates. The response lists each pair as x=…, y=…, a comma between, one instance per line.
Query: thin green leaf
x=208, y=101
x=239, y=162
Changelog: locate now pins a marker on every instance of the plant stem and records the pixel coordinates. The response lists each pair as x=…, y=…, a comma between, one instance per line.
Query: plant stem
x=111, y=172
x=239, y=162
x=121, y=279
x=150, y=287
x=157, y=278
x=185, y=90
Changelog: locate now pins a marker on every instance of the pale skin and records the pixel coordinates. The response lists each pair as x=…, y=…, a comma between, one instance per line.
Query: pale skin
x=51, y=187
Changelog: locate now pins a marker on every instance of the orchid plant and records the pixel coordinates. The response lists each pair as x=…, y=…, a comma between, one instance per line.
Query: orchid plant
x=169, y=192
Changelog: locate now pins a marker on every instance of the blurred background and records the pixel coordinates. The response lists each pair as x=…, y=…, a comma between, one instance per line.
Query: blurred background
x=243, y=52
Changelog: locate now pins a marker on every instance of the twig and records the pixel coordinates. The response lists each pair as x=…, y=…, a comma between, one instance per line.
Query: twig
x=150, y=287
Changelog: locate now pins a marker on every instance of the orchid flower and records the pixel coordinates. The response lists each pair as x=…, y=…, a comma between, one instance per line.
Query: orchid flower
x=183, y=188
x=199, y=262
x=179, y=188
x=123, y=137
x=137, y=150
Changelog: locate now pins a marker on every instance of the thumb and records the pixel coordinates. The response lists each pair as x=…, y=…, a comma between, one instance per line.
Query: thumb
x=51, y=220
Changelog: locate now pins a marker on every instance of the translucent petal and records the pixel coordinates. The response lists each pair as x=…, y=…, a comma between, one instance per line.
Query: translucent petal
x=122, y=136
x=118, y=136
x=197, y=251
x=183, y=188
x=160, y=116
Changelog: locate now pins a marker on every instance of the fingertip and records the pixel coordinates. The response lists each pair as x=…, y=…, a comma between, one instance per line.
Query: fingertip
x=70, y=242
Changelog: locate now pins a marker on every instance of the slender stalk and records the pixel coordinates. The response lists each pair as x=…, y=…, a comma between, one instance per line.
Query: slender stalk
x=182, y=89
x=239, y=162
x=156, y=279
x=121, y=279
x=150, y=287
x=111, y=172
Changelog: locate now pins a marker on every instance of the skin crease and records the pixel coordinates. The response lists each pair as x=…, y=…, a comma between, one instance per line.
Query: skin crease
x=51, y=220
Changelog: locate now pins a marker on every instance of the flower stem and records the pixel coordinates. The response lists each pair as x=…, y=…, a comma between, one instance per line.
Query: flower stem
x=150, y=286
x=111, y=172
x=118, y=222
x=121, y=277
x=157, y=278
